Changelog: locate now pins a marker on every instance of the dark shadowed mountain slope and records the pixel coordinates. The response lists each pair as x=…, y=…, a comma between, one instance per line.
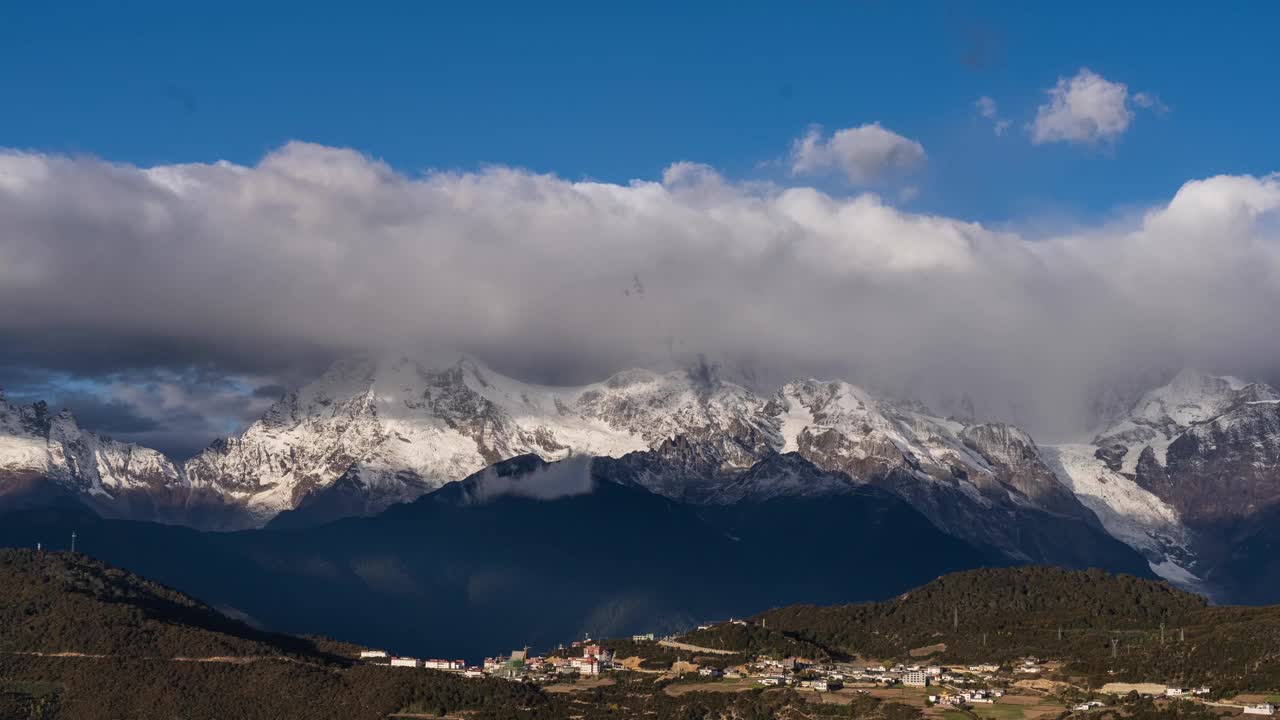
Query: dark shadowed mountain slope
x=528, y=553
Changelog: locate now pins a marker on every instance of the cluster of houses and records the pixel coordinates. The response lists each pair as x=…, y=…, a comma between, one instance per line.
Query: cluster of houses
x=967, y=697
x=381, y=657
x=518, y=666
x=1180, y=692
x=828, y=676
x=964, y=686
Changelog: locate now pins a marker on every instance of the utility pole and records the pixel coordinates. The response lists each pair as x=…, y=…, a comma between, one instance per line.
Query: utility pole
x=1059, y=633
x=1115, y=643
x=1162, y=633
x=73, y=541
x=1182, y=634
x=984, y=639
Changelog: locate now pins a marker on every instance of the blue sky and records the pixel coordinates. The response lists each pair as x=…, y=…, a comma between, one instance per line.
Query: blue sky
x=590, y=90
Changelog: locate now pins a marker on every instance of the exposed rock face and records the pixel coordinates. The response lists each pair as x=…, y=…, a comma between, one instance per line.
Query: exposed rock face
x=1182, y=475
x=984, y=483
x=392, y=429
x=1228, y=467
x=1190, y=458
x=1161, y=415
x=48, y=454
x=373, y=432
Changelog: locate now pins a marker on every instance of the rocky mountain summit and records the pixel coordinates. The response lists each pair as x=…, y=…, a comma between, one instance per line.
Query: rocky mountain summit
x=373, y=432
x=1179, y=477
x=42, y=453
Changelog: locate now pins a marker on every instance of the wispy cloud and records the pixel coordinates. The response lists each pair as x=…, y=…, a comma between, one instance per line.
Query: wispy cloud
x=987, y=108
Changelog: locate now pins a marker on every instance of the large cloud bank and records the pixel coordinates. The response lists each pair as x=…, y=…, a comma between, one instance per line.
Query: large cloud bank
x=317, y=251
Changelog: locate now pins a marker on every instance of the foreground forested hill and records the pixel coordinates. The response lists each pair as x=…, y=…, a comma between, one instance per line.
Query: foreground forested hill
x=82, y=639
x=1106, y=626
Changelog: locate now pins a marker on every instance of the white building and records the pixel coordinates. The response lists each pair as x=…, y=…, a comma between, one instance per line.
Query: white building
x=915, y=678
x=406, y=662
x=373, y=654
x=585, y=665
x=819, y=685
x=647, y=637
x=444, y=664
x=710, y=672
x=1260, y=709
x=1174, y=692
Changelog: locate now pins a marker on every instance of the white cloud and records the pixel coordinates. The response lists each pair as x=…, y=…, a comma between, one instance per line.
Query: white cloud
x=986, y=107
x=1150, y=101
x=1086, y=108
x=568, y=478
x=316, y=251
x=864, y=154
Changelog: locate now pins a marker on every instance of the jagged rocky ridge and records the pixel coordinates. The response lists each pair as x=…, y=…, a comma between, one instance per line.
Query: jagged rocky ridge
x=44, y=455
x=373, y=432
x=1185, y=475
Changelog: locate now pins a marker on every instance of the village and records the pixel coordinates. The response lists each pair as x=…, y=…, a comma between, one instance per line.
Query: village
x=995, y=690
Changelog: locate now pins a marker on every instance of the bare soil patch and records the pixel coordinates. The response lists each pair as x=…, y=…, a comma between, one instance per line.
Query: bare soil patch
x=733, y=686
x=1042, y=685
x=1021, y=700
x=579, y=686
x=929, y=650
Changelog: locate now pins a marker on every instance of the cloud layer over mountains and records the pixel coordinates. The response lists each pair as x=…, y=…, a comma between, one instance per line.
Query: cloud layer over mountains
x=319, y=251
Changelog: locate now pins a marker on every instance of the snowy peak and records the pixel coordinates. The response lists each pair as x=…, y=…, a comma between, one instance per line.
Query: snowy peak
x=1162, y=414
x=840, y=426
x=34, y=444
x=1194, y=397
x=1198, y=449
x=397, y=426
x=23, y=420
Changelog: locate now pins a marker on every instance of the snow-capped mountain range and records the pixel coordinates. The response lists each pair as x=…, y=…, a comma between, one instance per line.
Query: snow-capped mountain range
x=376, y=431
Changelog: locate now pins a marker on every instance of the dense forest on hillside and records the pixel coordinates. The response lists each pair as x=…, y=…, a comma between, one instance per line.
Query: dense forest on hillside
x=1106, y=626
x=59, y=602
x=83, y=640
